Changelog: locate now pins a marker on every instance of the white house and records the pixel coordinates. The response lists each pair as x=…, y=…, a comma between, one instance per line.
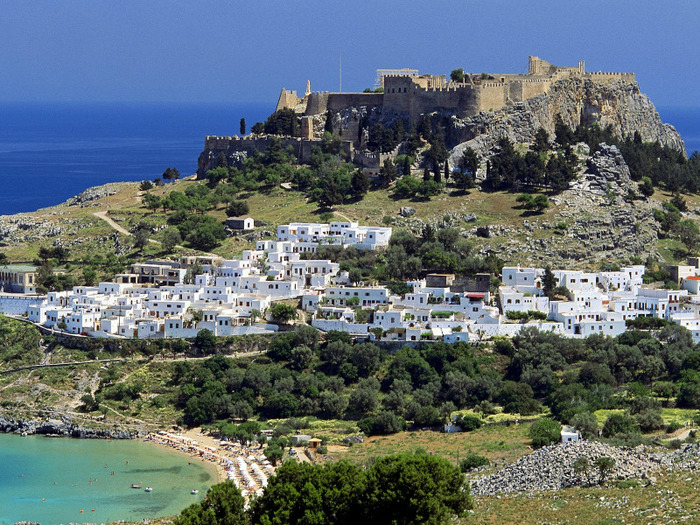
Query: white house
x=240, y=223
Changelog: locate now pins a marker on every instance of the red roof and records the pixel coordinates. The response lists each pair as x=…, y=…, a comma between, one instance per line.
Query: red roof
x=475, y=295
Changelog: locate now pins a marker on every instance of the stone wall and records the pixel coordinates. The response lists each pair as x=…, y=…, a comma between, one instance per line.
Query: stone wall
x=214, y=145
x=338, y=101
x=287, y=99
x=417, y=95
x=491, y=96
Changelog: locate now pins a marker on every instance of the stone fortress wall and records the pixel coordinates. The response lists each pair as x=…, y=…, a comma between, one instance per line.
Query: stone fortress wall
x=409, y=94
x=420, y=94
x=302, y=148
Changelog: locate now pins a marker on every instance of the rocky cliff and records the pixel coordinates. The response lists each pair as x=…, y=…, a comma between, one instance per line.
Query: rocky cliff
x=579, y=101
x=597, y=219
x=57, y=424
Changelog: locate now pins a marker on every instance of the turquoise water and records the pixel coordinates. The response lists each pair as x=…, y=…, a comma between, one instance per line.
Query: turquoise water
x=50, y=480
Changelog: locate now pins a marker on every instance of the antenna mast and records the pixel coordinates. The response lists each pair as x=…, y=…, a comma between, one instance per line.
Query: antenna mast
x=340, y=73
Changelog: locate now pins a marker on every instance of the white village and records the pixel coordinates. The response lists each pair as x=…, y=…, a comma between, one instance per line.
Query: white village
x=178, y=299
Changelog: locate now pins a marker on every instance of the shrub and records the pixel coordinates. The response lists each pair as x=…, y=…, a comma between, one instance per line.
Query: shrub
x=544, y=432
x=468, y=423
x=672, y=427
x=627, y=484
x=618, y=423
x=472, y=461
x=675, y=444
x=237, y=209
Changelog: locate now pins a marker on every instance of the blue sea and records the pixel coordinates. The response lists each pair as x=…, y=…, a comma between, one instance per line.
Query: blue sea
x=51, y=152
x=62, y=480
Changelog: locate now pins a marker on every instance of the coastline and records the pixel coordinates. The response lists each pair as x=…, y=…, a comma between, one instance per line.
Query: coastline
x=212, y=466
x=247, y=468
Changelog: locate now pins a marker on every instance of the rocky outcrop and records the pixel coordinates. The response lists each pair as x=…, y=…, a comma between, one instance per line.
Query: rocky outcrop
x=606, y=171
x=61, y=425
x=94, y=193
x=616, y=103
x=552, y=468
x=600, y=217
x=21, y=228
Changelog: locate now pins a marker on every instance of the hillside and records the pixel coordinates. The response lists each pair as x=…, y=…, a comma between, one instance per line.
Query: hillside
x=586, y=224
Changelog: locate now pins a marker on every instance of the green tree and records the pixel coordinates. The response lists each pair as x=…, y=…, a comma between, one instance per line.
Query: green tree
x=171, y=174
x=89, y=276
x=415, y=489
x=171, y=238
x=205, y=341
x=437, y=153
x=274, y=453
x=224, y=505
x=540, y=203
x=388, y=173
x=541, y=142
x=152, y=202
x=457, y=75
x=605, y=465
x=328, y=126
x=242, y=126
x=582, y=467
x=283, y=313
x=586, y=423
x=646, y=186
x=237, y=209
x=549, y=282
x=544, y=432
x=689, y=234
x=141, y=236
x=617, y=423
x=301, y=357
x=360, y=184
x=471, y=461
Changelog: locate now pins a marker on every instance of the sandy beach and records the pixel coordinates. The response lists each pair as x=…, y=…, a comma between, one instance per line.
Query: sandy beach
x=246, y=467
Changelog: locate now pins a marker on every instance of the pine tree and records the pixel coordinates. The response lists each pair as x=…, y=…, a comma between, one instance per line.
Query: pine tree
x=388, y=172
x=242, y=127
x=359, y=184
x=406, y=165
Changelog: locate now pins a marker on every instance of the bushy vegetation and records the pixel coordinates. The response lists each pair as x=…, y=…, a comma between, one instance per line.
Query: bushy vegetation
x=424, y=386
x=411, y=257
x=19, y=343
x=394, y=489
x=327, y=179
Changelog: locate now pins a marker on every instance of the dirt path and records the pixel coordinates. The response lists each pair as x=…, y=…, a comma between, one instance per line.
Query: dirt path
x=103, y=215
x=342, y=216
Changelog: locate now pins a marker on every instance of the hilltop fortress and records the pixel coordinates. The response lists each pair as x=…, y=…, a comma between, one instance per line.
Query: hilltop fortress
x=475, y=111
x=416, y=95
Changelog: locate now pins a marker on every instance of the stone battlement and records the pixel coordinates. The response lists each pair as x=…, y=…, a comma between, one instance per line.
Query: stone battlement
x=419, y=94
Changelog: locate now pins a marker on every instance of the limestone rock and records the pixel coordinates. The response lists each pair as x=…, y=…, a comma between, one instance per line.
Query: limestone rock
x=407, y=211
x=552, y=468
x=617, y=103
x=607, y=172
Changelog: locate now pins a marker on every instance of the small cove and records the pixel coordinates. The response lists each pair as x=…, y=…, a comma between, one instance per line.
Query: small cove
x=50, y=480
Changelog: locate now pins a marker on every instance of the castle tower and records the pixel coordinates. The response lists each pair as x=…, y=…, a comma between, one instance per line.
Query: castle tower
x=308, y=87
x=307, y=127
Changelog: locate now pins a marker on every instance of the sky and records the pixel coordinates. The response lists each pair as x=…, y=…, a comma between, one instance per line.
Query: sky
x=206, y=51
